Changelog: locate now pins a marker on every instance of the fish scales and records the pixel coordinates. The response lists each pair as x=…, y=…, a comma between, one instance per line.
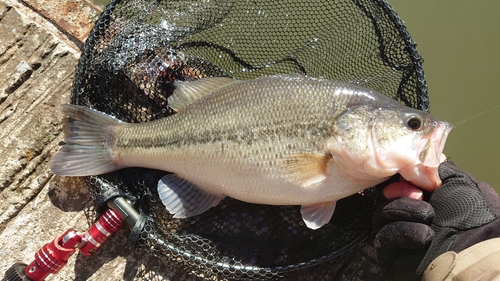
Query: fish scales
x=280, y=140
x=235, y=116
x=224, y=129
x=255, y=137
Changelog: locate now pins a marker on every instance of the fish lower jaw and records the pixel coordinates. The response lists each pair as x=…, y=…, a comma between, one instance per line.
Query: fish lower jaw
x=426, y=178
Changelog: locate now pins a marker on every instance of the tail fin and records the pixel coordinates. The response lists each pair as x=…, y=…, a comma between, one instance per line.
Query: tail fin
x=86, y=151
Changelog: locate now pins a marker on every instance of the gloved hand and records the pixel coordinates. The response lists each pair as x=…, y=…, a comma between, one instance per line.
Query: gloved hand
x=412, y=233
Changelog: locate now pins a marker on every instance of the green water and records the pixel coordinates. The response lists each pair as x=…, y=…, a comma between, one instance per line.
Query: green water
x=460, y=45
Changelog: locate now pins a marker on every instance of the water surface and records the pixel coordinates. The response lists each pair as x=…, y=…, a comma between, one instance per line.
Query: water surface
x=460, y=44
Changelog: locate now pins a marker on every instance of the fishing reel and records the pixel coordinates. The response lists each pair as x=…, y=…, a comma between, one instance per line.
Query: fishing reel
x=54, y=255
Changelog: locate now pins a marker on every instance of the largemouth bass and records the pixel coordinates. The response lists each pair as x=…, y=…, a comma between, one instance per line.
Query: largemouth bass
x=278, y=140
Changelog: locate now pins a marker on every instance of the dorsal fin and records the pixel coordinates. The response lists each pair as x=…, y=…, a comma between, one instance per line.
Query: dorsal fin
x=186, y=93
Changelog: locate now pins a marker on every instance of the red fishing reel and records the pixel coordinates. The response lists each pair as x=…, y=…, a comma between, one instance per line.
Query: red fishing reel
x=54, y=255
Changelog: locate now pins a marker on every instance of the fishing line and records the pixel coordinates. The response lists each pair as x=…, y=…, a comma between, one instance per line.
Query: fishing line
x=475, y=116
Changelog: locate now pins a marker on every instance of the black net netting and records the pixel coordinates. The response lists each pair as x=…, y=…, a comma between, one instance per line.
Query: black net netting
x=139, y=47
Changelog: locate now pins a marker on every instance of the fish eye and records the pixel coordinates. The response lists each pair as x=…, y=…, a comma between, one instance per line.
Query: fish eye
x=414, y=122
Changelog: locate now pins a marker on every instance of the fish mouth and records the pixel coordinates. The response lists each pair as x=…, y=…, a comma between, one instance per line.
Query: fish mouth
x=431, y=150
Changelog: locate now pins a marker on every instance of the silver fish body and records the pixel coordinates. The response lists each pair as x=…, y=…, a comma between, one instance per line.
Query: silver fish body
x=279, y=140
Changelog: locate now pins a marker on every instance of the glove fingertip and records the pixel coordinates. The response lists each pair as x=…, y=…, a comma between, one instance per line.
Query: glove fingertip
x=403, y=235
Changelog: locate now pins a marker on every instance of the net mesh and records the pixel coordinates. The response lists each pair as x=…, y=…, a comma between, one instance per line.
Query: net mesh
x=138, y=48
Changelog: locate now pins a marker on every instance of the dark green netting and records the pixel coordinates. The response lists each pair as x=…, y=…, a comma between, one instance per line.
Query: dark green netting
x=139, y=47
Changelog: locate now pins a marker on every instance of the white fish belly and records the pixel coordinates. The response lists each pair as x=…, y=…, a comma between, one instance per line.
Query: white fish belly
x=253, y=179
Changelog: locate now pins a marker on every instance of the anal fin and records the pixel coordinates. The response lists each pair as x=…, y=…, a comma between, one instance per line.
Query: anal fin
x=317, y=215
x=183, y=199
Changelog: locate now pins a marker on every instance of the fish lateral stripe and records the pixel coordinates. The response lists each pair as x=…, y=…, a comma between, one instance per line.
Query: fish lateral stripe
x=278, y=140
x=222, y=135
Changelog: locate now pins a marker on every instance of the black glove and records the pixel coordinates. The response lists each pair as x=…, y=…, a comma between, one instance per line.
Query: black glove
x=412, y=233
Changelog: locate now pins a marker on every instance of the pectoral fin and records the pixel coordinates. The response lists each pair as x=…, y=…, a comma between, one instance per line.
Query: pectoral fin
x=306, y=168
x=186, y=93
x=183, y=199
x=315, y=216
